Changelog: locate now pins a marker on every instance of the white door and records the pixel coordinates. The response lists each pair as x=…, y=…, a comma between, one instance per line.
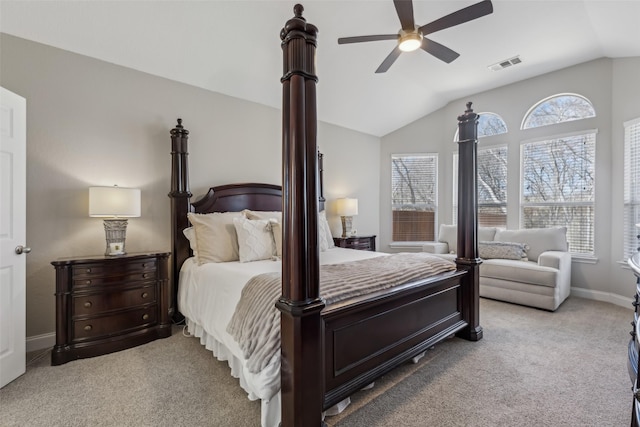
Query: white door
x=13, y=159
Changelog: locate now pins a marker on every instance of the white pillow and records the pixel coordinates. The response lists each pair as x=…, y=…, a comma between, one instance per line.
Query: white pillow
x=324, y=232
x=190, y=234
x=216, y=239
x=255, y=239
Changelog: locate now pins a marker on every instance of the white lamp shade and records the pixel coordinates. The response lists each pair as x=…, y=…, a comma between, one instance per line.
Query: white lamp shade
x=347, y=207
x=114, y=202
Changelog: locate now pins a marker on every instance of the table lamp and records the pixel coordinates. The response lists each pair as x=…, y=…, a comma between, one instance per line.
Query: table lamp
x=346, y=208
x=115, y=204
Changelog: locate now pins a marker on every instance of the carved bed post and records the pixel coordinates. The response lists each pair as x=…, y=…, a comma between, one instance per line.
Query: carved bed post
x=300, y=304
x=468, y=222
x=180, y=205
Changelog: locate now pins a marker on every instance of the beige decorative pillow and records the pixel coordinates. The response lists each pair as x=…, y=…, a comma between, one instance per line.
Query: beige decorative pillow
x=502, y=250
x=324, y=232
x=216, y=239
x=255, y=239
x=276, y=229
x=277, y=215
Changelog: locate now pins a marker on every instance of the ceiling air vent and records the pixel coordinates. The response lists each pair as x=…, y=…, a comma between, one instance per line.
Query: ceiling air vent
x=505, y=64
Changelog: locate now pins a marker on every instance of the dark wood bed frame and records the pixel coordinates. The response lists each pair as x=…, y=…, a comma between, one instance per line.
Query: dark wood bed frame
x=328, y=353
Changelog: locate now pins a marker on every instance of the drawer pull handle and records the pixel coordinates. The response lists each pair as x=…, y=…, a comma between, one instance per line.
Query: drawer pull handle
x=144, y=265
x=88, y=328
x=145, y=316
x=88, y=304
x=145, y=275
x=144, y=295
x=88, y=270
x=88, y=282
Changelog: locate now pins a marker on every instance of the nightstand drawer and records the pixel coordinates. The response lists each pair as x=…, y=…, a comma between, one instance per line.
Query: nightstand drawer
x=114, y=279
x=97, y=303
x=360, y=244
x=114, y=324
x=87, y=271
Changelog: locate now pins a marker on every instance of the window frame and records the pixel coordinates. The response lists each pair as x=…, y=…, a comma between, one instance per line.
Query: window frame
x=547, y=99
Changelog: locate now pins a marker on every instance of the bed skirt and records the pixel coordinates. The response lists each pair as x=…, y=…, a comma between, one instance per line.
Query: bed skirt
x=269, y=408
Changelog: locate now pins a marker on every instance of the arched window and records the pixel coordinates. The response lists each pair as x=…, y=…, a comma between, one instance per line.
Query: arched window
x=488, y=124
x=560, y=108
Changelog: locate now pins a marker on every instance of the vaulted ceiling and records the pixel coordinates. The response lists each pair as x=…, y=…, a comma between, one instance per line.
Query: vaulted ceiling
x=233, y=47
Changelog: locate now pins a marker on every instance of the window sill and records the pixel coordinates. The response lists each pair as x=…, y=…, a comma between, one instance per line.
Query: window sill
x=584, y=259
x=400, y=245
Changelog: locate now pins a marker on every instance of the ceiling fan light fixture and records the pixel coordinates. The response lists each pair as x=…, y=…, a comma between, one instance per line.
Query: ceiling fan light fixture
x=410, y=41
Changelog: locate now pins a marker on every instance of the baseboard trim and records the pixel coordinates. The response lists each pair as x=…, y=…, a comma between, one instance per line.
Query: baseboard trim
x=40, y=342
x=602, y=296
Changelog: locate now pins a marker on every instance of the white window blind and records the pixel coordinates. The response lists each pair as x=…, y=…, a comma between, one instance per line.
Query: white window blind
x=414, y=196
x=631, y=186
x=558, y=177
x=492, y=187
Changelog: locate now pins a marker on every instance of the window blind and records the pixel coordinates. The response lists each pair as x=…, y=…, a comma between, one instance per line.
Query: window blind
x=631, y=186
x=414, y=196
x=492, y=187
x=558, y=177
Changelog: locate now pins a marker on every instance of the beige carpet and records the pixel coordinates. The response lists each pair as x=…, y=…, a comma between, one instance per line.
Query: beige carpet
x=533, y=368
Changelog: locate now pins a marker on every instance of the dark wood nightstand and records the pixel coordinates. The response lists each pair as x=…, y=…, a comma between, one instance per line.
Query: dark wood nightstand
x=106, y=304
x=363, y=243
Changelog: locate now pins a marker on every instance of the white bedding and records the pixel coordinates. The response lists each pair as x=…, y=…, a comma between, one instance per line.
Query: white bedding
x=207, y=297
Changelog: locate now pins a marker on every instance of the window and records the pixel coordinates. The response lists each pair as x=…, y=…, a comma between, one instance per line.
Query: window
x=631, y=186
x=558, y=109
x=558, y=187
x=414, y=196
x=488, y=124
x=492, y=187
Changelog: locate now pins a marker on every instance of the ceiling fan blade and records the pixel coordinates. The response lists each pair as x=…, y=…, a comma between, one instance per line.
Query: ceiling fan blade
x=360, y=39
x=461, y=16
x=441, y=52
x=405, y=13
x=389, y=60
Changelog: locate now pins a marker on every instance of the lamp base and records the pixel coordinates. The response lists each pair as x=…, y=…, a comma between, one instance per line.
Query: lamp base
x=347, y=221
x=116, y=232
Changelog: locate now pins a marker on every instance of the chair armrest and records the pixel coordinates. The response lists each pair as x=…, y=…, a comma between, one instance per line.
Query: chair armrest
x=560, y=260
x=436, y=247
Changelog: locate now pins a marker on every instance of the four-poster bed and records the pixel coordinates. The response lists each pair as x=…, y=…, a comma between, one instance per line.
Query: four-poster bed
x=329, y=352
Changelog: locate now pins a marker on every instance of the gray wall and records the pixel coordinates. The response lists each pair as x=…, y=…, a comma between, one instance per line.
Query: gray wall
x=612, y=87
x=94, y=123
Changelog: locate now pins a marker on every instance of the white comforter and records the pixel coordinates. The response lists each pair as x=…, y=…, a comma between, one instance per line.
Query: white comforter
x=207, y=297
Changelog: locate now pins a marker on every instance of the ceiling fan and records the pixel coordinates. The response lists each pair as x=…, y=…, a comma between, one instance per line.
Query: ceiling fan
x=410, y=37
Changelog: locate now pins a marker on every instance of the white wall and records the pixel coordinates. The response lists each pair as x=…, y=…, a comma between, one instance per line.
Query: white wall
x=611, y=85
x=94, y=123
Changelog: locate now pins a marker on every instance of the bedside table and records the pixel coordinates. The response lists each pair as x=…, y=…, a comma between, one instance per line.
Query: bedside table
x=106, y=304
x=363, y=243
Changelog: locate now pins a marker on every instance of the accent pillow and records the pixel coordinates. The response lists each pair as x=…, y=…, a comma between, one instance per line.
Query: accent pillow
x=277, y=215
x=216, y=238
x=255, y=239
x=324, y=232
x=190, y=234
x=276, y=229
x=503, y=250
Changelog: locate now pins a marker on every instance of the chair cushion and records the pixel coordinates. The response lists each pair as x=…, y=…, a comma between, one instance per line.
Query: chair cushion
x=519, y=271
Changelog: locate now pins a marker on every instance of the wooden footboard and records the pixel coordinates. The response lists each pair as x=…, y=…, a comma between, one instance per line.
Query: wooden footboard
x=365, y=338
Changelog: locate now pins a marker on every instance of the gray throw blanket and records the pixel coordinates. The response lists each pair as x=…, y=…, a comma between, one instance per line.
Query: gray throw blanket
x=255, y=324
